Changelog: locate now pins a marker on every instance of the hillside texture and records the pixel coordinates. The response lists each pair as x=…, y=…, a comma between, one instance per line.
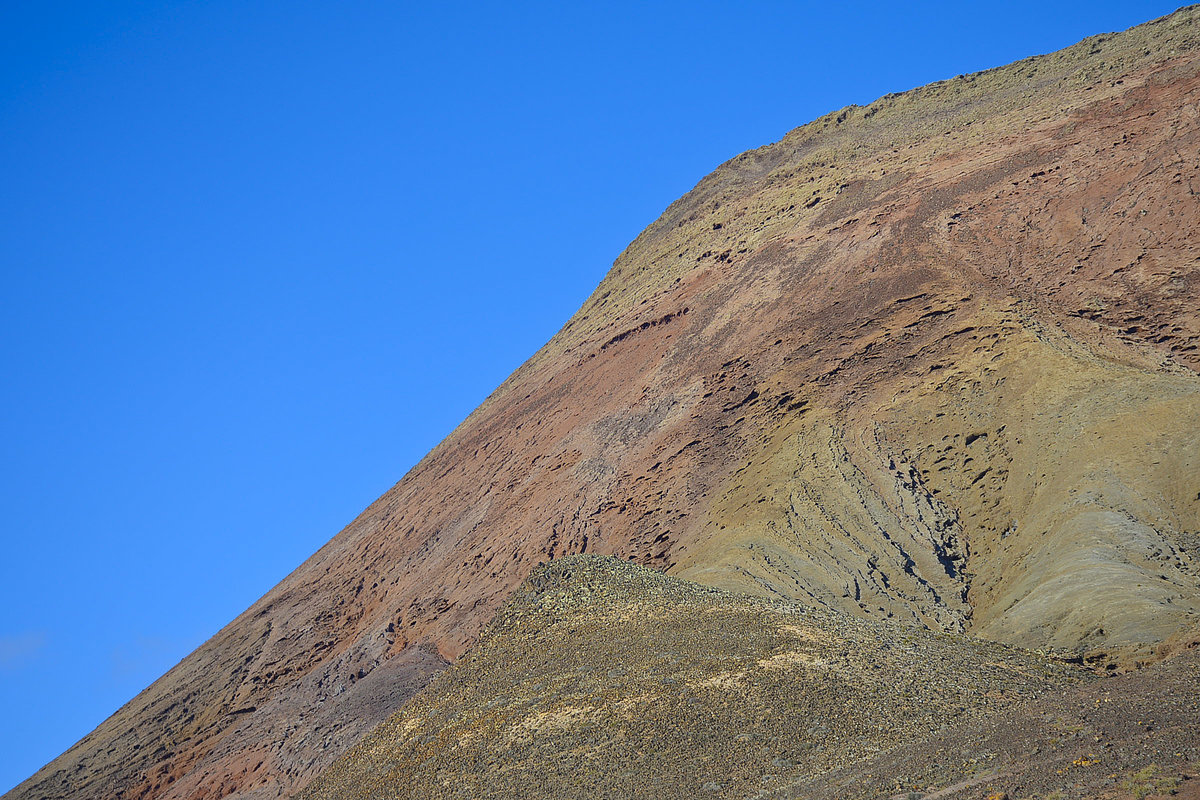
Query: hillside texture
x=607, y=680
x=930, y=362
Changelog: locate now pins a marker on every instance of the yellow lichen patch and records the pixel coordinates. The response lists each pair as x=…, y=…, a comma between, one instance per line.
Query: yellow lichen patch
x=791, y=660
x=553, y=721
x=634, y=704
x=721, y=680
x=806, y=633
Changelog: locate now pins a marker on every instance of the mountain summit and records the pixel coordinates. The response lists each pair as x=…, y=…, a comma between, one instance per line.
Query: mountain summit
x=922, y=376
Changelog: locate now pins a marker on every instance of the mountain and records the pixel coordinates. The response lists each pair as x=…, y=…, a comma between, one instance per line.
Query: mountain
x=921, y=373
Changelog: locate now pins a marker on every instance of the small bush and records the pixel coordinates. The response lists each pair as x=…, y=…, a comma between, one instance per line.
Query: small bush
x=1148, y=781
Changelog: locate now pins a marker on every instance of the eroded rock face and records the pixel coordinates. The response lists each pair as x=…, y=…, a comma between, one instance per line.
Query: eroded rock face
x=933, y=359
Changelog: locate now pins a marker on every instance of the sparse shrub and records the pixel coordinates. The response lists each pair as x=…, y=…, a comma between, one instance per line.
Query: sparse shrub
x=1148, y=781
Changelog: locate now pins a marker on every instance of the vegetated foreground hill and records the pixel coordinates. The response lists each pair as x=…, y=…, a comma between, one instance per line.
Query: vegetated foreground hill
x=931, y=360
x=607, y=680
x=603, y=679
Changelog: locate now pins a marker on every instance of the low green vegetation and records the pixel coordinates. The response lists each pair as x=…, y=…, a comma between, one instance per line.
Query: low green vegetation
x=1150, y=780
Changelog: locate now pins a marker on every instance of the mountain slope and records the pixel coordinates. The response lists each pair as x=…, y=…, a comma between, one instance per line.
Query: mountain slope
x=601, y=676
x=933, y=359
x=601, y=679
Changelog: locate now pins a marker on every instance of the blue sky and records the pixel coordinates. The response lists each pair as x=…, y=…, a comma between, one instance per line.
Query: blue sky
x=257, y=258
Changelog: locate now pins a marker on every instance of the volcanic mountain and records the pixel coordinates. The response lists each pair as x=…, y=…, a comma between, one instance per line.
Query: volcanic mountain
x=914, y=388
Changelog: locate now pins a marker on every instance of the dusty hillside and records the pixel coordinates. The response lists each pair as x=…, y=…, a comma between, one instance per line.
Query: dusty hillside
x=933, y=360
x=602, y=676
x=1129, y=736
x=607, y=680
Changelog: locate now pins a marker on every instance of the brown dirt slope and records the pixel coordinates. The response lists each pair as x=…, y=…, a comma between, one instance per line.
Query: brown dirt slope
x=603, y=679
x=933, y=359
x=1129, y=736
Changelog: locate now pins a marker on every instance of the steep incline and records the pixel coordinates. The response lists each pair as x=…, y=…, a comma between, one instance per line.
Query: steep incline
x=932, y=359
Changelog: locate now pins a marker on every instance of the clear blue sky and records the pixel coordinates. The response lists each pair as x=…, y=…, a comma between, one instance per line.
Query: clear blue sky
x=257, y=258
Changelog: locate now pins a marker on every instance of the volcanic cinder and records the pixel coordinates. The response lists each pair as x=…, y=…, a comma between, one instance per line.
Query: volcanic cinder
x=924, y=366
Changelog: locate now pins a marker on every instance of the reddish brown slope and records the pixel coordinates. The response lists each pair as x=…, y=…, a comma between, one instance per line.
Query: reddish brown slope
x=933, y=358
